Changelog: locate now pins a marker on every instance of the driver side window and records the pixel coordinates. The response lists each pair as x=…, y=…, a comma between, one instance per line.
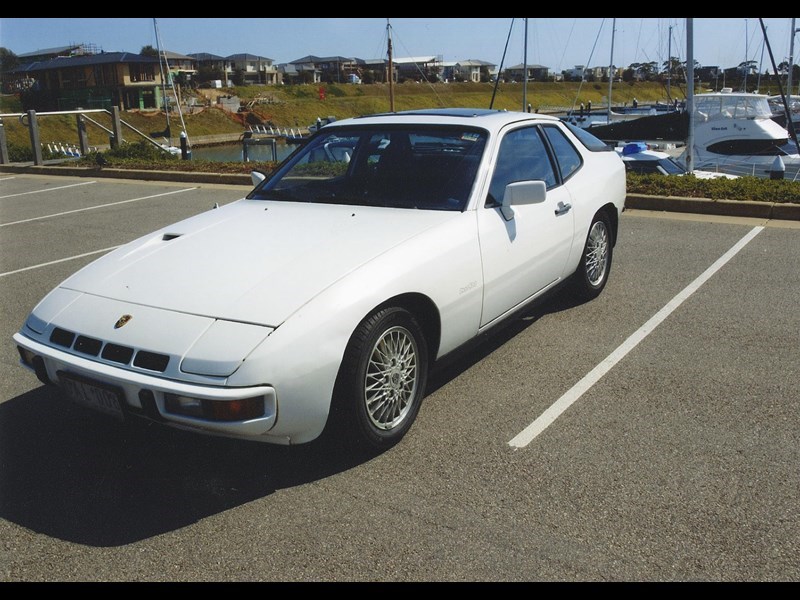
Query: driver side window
x=522, y=157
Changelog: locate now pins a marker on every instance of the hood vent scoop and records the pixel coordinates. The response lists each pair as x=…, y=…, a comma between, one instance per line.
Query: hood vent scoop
x=170, y=236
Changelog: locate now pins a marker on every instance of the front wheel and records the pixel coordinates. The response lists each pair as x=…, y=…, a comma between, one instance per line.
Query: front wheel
x=382, y=380
x=595, y=266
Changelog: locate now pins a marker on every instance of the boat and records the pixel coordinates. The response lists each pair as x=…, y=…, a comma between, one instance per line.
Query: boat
x=734, y=132
x=641, y=158
x=779, y=110
x=163, y=66
x=612, y=115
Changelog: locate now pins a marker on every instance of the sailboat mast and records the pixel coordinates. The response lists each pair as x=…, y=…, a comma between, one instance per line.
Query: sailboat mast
x=669, y=64
x=525, y=70
x=391, y=70
x=163, y=83
x=792, y=33
x=690, y=93
x=611, y=68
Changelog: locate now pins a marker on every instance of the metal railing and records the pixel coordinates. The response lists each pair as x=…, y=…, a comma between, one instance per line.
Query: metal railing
x=30, y=120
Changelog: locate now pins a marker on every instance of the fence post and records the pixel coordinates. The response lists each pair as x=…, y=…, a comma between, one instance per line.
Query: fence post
x=116, y=126
x=83, y=138
x=3, y=145
x=36, y=146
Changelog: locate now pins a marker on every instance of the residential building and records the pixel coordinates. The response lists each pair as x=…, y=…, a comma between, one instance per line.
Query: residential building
x=253, y=68
x=473, y=70
x=535, y=73
x=329, y=69
x=103, y=80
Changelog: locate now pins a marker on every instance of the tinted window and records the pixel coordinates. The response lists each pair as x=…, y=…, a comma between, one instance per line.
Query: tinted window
x=569, y=160
x=522, y=157
x=587, y=139
x=419, y=167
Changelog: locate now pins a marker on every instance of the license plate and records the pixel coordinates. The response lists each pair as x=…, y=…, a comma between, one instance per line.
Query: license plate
x=93, y=394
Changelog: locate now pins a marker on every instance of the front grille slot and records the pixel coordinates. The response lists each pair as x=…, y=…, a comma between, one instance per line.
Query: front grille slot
x=151, y=361
x=62, y=337
x=143, y=359
x=88, y=345
x=117, y=353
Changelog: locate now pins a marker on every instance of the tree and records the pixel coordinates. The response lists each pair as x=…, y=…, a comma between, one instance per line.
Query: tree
x=238, y=77
x=206, y=73
x=148, y=51
x=8, y=62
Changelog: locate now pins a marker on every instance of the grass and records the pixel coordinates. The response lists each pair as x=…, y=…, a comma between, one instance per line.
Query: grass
x=299, y=105
x=294, y=106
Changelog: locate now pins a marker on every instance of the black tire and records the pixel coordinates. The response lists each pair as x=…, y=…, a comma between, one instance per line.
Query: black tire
x=592, y=274
x=381, y=381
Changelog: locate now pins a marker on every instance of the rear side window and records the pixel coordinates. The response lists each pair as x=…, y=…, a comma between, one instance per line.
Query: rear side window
x=523, y=156
x=568, y=158
x=587, y=139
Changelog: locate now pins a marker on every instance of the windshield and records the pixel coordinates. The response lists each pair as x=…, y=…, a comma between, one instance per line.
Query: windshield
x=401, y=167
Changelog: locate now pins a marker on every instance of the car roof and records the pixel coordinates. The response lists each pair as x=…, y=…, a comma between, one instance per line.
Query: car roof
x=490, y=119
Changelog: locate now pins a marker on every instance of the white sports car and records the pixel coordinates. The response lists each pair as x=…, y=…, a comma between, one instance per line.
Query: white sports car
x=320, y=301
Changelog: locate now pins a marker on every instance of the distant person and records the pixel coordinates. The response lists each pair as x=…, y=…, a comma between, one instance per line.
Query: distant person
x=635, y=103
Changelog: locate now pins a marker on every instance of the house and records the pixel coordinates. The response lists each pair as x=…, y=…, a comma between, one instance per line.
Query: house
x=418, y=68
x=123, y=79
x=253, y=68
x=473, y=70
x=577, y=73
x=211, y=67
x=535, y=73
x=180, y=66
x=48, y=53
x=601, y=73
x=298, y=74
x=331, y=69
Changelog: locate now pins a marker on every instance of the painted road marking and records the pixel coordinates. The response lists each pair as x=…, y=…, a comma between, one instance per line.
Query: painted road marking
x=527, y=435
x=67, y=212
x=60, y=260
x=53, y=189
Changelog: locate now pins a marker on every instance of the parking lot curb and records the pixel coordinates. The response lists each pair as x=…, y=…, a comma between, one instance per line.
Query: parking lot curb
x=706, y=206
x=734, y=208
x=177, y=176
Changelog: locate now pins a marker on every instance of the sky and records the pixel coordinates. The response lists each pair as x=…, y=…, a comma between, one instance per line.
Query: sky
x=557, y=43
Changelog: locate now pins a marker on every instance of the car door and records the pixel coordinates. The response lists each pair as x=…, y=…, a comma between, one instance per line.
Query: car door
x=527, y=253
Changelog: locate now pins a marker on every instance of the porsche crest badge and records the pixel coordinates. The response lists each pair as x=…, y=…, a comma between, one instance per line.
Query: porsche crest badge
x=122, y=321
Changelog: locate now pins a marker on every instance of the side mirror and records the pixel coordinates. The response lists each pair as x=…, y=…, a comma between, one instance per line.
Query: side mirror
x=522, y=192
x=257, y=177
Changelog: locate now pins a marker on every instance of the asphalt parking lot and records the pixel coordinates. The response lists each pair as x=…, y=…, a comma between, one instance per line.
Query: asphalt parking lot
x=652, y=434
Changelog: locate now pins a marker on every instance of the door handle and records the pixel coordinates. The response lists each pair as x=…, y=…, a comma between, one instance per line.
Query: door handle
x=562, y=208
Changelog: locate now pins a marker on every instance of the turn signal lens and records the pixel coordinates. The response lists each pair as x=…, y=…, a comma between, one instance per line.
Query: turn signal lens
x=215, y=410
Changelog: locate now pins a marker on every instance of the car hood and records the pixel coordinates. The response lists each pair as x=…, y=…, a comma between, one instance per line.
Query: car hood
x=252, y=261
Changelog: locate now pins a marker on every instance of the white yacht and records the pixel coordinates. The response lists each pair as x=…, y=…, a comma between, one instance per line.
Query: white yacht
x=779, y=112
x=734, y=132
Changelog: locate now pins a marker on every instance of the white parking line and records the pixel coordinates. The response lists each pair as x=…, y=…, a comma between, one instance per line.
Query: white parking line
x=60, y=260
x=527, y=435
x=54, y=189
x=7, y=178
x=67, y=212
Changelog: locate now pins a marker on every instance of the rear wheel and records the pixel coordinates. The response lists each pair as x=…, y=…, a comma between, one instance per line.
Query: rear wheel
x=593, y=270
x=382, y=380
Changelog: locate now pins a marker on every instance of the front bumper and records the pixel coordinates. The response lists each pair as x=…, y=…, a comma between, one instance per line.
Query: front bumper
x=144, y=395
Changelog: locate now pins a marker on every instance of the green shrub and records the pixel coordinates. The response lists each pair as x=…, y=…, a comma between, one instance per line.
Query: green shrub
x=743, y=188
x=17, y=153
